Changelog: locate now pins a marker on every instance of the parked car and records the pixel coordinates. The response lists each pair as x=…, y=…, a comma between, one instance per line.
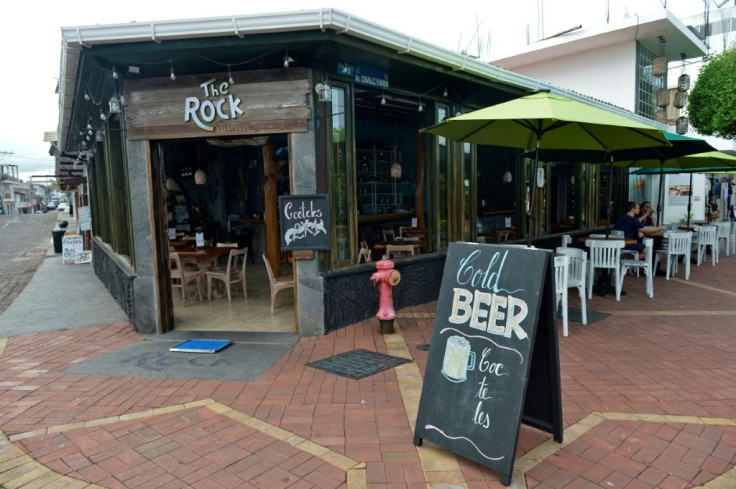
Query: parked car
x=63, y=206
x=51, y=205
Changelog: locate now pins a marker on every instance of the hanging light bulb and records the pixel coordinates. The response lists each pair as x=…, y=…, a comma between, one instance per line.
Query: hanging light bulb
x=115, y=75
x=86, y=96
x=444, y=93
x=420, y=108
x=287, y=59
x=507, y=177
x=103, y=117
x=173, y=75
x=200, y=177
x=170, y=184
x=383, y=99
x=230, y=78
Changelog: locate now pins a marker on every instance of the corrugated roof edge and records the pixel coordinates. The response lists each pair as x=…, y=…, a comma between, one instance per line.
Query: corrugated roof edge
x=74, y=39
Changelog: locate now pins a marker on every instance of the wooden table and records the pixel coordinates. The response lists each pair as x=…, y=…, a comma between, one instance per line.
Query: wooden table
x=381, y=245
x=203, y=257
x=686, y=228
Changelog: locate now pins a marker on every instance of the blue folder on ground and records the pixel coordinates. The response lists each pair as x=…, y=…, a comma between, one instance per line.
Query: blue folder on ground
x=201, y=346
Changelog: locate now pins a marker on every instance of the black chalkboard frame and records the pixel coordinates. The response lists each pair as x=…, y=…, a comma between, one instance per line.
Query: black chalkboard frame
x=322, y=240
x=538, y=404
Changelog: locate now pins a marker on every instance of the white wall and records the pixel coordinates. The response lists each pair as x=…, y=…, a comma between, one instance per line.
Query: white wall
x=608, y=73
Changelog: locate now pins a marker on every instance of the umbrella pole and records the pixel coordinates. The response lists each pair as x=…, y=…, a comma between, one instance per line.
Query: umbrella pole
x=533, y=185
x=660, y=195
x=690, y=199
x=610, y=192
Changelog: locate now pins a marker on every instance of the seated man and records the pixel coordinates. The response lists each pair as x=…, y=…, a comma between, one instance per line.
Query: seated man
x=632, y=227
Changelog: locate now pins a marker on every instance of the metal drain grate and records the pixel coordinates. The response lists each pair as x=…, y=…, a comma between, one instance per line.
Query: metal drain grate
x=357, y=364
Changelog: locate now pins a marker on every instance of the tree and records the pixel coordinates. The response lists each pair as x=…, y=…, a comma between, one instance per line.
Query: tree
x=712, y=102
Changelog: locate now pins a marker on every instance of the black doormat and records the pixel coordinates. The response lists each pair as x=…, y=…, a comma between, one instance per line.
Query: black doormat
x=575, y=314
x=357, y=364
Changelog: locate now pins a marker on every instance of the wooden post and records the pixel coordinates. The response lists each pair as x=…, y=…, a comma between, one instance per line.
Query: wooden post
x=419, y=194
x=273, y=239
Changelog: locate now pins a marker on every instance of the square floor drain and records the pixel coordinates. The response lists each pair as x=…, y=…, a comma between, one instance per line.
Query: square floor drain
x=357, y=364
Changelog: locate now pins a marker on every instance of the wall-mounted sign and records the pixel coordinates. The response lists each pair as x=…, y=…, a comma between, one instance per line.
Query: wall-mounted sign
x=85, y=220
x=305, y=222
x=371, y=77
x=215, y=103
x=493, y=354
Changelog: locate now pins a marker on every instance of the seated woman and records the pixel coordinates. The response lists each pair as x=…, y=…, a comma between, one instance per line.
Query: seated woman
x=632, y=227
x=646, y=214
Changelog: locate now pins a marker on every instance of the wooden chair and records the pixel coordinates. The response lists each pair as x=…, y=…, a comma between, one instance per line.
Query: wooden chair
x=234, y=273
x=388, y=235
x=399, y=250
x=222, y=245
x=364, y=253
x=182, y=276
x=277, y=283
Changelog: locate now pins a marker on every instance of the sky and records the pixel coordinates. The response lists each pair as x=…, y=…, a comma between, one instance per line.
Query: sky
x=30, y=43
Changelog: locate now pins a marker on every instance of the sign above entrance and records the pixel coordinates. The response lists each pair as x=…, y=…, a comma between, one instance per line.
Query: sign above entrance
x=259, y=102
x=371, y=77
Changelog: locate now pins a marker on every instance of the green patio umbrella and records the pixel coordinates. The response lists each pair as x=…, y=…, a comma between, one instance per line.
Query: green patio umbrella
x=546, y=121
x=708, y=161
x=659, y=156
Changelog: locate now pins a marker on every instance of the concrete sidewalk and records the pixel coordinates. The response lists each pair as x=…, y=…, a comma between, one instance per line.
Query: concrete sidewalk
x=649, y=401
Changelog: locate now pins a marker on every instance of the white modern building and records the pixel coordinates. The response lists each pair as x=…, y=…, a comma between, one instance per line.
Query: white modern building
x=613, y=62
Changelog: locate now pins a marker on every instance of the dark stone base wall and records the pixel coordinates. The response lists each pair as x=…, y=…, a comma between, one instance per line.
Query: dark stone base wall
x=117, y=280
x=350, y=296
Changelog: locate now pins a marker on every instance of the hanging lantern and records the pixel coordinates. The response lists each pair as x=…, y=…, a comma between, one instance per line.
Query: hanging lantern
x=170, y=184
x=659, y=64
x=396, y=170
x=663, y=97
x=200, y=177
x=681, y=125
x=507, y=177
x=683, y=81
x=680, y=99
x=661, y=116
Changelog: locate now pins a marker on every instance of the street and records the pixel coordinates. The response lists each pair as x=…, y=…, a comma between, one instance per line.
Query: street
x=24, y=241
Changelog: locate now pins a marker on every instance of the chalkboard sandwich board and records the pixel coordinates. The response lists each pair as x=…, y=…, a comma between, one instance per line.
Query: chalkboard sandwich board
x=305, y=222
x=494, y=346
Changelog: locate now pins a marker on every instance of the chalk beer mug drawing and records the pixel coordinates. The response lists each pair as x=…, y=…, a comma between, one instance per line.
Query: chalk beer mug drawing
x=458, y=360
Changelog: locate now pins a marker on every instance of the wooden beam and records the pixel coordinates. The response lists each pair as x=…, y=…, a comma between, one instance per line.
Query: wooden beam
x=419, y=193
x=273, y=238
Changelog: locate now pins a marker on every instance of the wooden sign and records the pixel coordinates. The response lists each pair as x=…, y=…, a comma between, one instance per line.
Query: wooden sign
x=70, y=246
x=305, y=222
x=493, y=347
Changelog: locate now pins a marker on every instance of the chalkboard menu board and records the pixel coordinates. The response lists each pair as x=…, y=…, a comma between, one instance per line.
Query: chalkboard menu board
x=494, y=339
x=305, y=222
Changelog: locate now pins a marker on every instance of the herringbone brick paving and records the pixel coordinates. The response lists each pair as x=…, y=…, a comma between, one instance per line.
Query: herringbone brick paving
x=648, y=399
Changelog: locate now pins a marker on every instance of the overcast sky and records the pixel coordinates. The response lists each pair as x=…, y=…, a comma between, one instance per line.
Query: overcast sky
x=30, y=41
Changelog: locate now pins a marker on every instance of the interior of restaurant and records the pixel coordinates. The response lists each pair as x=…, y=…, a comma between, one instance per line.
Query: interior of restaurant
x=215, y=186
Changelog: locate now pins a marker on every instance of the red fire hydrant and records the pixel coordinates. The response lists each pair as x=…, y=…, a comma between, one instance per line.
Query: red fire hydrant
x=386, y=277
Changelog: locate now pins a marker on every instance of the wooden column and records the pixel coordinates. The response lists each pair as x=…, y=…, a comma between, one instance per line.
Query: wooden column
x=419, y=194
x=273, y=238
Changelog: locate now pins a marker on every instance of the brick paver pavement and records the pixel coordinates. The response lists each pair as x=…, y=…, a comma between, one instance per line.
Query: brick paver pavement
x=649, y=401
x=24, y=240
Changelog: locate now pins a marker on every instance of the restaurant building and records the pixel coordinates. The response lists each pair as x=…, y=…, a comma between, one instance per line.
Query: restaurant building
x=205, y=125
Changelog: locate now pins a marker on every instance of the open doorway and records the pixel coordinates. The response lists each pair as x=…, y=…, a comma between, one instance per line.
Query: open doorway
x=222, y=189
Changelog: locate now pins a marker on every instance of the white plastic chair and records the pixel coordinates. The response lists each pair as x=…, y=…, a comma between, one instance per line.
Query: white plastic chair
x=604, y=254
x=576, y=271
x=679, y=244
x=644, y=265
x=566, y=240
x=632, y=254
x=707, y=237
x=561, y=266
x=723, y=232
